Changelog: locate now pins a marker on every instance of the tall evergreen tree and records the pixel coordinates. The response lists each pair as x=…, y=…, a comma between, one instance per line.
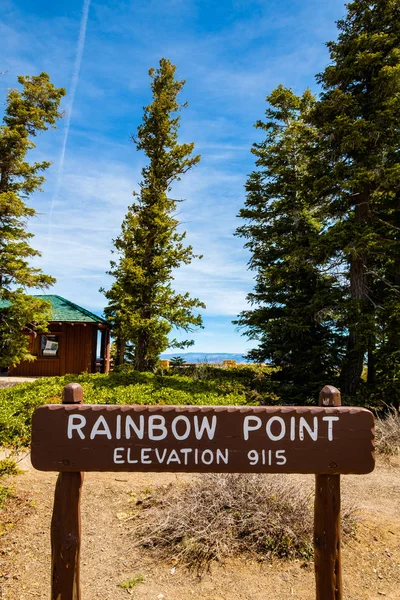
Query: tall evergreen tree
x=291, y=314
x=28, y=111
x=359, y=179
x=143, y=307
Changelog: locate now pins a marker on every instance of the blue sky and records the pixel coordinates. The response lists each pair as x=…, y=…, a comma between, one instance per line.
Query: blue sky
x=232, y=55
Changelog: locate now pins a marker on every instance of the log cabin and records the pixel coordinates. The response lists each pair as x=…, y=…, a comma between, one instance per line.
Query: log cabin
x=71, y=344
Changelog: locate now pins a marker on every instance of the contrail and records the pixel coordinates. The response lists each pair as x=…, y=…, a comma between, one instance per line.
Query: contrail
x=74, y=84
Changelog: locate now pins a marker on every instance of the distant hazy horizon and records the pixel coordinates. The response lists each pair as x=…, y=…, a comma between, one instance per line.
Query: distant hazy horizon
x=208, y=357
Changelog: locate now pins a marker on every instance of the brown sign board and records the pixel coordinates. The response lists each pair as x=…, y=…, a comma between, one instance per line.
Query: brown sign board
x=321, y=440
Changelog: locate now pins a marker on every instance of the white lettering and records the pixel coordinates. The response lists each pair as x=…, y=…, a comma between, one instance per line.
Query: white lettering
x=209, y=454
x=222, y=457
x=130, y=424
x=144, y=456
x=280, y=454
x=252, y=455
x=101, y=422
x=292, y=428
x=330, y=421
x=188, y=427
x=185, y=452
x=161, y=457
x=157, y=422
x=247, y=427
x=76, y=426
x=132, y=461
x=205, y=426
x=118, y=428
x=280, y=435
x=117, y=457
x=173, y=457
x=303, y=425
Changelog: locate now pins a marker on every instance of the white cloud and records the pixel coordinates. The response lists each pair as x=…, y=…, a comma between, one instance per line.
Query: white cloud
x=93, y=202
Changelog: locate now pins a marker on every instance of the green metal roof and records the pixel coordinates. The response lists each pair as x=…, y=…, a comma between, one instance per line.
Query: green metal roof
x=64, y=310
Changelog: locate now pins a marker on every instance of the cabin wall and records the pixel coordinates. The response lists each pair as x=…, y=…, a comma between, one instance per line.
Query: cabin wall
x=78, y=355
x=77, y=352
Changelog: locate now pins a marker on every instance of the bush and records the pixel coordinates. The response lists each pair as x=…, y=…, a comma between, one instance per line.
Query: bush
x=129, y=584
x=218, y=387
x=387, y=432
x=5, y=492
x=8, y=466
x=194, y=385
x=219, y=516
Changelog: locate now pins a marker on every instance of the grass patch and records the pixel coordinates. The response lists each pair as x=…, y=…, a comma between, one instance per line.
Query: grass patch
x=387, y=431
x=8, y=466
x=129, y=584
x=204, y=386
x=219, y=516
x=5, y=492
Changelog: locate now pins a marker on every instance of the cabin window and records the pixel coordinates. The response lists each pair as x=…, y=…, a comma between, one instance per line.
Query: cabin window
x=49, y=345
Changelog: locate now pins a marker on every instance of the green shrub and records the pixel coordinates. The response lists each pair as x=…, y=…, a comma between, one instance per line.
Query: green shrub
x=218, y=387
x=129, y=584
x=8, y=466
x=5, y=492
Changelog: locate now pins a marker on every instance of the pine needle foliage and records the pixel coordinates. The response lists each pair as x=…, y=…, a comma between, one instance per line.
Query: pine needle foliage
x=291, y=305
x=329, y=221
x=29, y=110
x=358, y=182
x=143, y=307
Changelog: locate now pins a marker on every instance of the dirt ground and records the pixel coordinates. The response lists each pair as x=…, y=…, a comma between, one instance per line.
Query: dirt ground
x=371, y=562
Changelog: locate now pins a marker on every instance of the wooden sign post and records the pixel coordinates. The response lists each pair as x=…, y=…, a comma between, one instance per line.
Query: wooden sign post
x=327, y=552
x=327, y=441
x=66, y=523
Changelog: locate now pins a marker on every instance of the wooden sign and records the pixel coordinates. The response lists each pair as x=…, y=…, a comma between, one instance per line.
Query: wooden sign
x=327, y=441
x=320, y=440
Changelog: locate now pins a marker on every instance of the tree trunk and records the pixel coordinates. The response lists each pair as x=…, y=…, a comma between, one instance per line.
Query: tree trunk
x=356, y=345
x=141, y=351
x=120, y=352
x=394, y=337
x=371, y=375
x=143, y=339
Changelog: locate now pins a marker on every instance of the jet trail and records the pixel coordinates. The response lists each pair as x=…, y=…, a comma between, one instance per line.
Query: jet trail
x=74, y=83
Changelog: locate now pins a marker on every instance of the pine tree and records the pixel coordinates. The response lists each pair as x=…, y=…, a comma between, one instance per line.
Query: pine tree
x=292, y=308
x=28, y=111
x=143, y=308
x=358, y=180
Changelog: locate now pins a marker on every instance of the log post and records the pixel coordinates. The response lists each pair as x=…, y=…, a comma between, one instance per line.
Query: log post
x=327, y=557
x=66, y=524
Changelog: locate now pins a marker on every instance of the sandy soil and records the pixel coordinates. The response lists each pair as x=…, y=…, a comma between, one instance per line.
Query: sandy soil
x=371, y=562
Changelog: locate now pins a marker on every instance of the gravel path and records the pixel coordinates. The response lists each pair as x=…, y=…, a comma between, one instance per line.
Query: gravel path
x=6, y=381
